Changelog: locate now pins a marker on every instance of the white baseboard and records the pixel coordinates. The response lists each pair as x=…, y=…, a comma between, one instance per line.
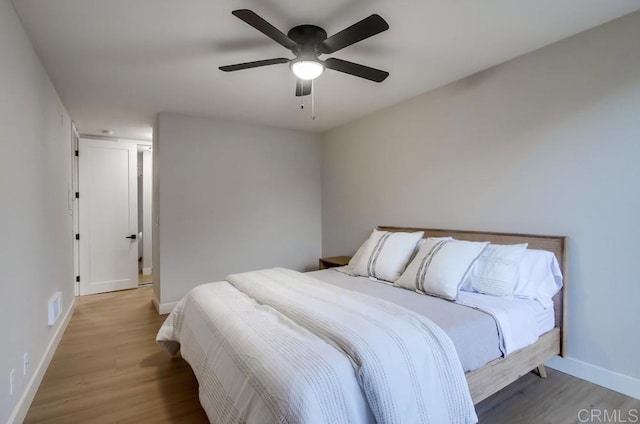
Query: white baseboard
x=21, y=409
x=146, y=271
x=162, y=308
x=611, y=380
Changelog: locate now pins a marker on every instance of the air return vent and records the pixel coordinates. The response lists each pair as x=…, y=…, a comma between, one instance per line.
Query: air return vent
x=55, y=306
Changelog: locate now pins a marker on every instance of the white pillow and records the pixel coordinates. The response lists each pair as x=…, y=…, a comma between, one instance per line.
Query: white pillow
x=349, y=269
x=385, y=254
x=440, y=267
x=358, y=255
x=496, y=270
x=539, y=277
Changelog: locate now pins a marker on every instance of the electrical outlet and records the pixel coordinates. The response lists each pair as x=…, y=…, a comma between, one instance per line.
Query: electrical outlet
x=11, y=382
x=25, y=364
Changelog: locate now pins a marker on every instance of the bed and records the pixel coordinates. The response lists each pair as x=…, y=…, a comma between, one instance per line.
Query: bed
x=499, y=373
x=246, y=380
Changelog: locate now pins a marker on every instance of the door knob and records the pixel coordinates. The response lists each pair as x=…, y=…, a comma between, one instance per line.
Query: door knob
x=132, y=237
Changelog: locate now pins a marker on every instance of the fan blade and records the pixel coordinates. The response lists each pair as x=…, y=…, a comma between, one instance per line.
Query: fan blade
x=303, y=87
x=265, y=27
x=366, y=28
x=255, y=64
x=354, y=69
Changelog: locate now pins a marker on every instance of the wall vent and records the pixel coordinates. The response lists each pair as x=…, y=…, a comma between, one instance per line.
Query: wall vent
x=55, y=307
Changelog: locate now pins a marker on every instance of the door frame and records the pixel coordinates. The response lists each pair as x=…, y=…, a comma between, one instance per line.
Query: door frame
x=75, y=211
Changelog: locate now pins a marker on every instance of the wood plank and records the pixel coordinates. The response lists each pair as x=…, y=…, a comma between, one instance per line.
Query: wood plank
x=542, y=371
x=333, y=261
x=497, y=374
x=108, y=368
x=559, y=399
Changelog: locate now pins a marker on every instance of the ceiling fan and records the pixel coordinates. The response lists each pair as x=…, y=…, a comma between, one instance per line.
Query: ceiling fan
x=307, y=42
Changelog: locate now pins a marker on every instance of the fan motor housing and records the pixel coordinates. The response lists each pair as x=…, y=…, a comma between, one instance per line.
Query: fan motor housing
x=309, y=37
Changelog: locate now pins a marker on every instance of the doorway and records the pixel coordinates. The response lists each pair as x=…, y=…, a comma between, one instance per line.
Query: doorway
x=145, y=187
x=111, y=225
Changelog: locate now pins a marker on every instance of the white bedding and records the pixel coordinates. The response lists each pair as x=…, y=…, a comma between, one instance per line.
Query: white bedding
x=473, y=332
x=406, y=366
x=520, y=321
x=254, y=365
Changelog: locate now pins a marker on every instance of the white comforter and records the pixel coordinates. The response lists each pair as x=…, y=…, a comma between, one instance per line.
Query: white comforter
x=280, y=346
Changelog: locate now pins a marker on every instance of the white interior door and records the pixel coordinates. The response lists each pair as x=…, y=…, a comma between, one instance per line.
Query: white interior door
x=108, y=216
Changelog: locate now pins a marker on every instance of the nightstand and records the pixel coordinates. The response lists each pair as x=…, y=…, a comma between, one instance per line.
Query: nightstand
x=333, y=261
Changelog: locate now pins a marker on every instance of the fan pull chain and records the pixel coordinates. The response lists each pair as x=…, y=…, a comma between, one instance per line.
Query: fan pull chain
x=313, y=102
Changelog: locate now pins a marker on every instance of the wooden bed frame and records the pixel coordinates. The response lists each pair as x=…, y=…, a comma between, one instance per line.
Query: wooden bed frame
x=497, y=374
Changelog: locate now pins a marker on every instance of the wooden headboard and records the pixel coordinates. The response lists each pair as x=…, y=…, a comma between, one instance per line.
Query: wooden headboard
x=555, y=244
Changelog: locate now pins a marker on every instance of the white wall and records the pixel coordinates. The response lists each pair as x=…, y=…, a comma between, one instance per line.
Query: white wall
x=233, y=197
x=36, y=243
x=547, y=143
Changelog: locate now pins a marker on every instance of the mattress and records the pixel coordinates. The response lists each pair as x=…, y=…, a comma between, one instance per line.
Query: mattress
x=475, y=334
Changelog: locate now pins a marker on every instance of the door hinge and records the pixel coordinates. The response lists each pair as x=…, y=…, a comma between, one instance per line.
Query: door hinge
x=77, y=278
x=77, y=195
x=77, y=153
x=77, y=236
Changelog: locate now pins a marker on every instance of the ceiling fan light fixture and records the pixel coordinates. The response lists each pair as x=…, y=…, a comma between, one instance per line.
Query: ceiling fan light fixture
x=307, y=69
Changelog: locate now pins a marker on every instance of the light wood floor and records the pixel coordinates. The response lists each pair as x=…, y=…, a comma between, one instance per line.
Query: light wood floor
x=108, y=369
x=144, y=279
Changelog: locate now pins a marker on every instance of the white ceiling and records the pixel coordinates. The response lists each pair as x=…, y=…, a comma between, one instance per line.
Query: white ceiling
x=117, y=63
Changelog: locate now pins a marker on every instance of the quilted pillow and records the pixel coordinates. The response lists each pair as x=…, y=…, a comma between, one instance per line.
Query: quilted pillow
x=496, y=270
